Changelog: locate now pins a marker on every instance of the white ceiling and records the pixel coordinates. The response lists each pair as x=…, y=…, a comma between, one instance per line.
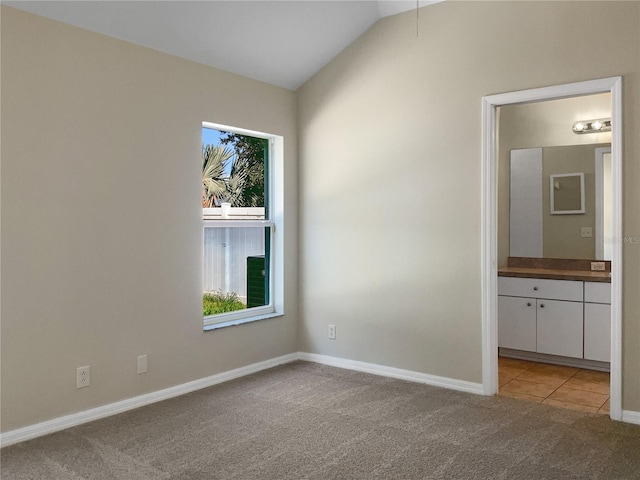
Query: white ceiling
x=282, y=43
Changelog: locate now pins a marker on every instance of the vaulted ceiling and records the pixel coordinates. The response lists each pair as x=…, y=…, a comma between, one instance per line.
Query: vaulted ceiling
x=279, y=42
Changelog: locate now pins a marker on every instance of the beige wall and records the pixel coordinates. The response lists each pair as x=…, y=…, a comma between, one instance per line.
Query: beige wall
x=101, y=218
x=541, y=124
x=390, y=149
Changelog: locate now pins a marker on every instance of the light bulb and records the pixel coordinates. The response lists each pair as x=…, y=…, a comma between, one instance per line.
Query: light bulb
x=578, y=127
x=597, y=125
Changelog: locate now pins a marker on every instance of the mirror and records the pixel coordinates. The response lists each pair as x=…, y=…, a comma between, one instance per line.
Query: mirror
x=554, y=185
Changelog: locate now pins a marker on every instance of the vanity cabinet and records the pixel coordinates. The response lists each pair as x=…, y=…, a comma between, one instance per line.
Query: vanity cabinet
x=555, y=317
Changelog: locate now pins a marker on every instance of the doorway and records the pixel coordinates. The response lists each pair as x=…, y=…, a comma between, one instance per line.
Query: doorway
x=490, y=215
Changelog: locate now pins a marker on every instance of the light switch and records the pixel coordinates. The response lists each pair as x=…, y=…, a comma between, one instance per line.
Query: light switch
x=142, y=364
x=586, y=232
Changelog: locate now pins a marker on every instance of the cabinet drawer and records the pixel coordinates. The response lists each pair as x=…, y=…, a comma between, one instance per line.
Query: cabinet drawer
x=596, y=292
x=541, y=288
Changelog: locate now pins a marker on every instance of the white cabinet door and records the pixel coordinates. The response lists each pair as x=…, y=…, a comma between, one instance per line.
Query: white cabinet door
x=597, y=332
x=517, y=323
x=560, y=328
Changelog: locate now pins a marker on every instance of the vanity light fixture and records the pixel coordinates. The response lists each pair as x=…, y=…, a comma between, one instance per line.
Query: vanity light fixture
x=592, y=126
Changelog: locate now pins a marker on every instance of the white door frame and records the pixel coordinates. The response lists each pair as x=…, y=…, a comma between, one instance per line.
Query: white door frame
x=490, y=229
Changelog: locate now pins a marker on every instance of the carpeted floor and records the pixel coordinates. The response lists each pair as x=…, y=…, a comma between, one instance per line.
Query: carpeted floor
x=307, y=421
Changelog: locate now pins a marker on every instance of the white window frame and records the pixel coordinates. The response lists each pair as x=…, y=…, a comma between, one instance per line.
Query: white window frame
x=275, y=222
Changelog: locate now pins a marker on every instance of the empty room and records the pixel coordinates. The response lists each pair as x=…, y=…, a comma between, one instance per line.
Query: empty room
x=414, y=252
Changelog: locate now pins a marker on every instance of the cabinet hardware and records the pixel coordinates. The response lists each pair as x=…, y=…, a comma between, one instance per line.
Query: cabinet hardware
x=535, y=288
x=528, y=304
x=542, y=305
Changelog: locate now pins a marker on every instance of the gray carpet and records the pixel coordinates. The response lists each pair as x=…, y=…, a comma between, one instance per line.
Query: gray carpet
x=307, y=421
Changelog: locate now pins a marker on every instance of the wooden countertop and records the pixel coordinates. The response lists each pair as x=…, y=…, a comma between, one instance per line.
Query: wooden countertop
x=555, y=274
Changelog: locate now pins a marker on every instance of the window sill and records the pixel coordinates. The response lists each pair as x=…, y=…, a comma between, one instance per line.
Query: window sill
x=242, y=321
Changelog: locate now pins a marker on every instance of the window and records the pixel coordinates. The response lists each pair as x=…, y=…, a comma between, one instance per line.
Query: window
x=242, y=225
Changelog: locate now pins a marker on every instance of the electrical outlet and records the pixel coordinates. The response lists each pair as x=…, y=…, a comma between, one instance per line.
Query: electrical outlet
x=332, y=332
x=597, y=266
x=83, y=376
x=586, y=232
x=142, y=364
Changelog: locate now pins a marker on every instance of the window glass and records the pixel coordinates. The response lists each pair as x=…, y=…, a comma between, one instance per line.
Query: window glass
x=238, y=229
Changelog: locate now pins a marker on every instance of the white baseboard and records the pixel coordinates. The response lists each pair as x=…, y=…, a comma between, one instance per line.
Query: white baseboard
x=630, y=416
x=392, y=372
x=61, y=423
x=50, y=426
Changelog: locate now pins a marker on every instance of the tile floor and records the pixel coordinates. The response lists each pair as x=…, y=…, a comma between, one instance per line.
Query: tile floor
x=568, y=387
